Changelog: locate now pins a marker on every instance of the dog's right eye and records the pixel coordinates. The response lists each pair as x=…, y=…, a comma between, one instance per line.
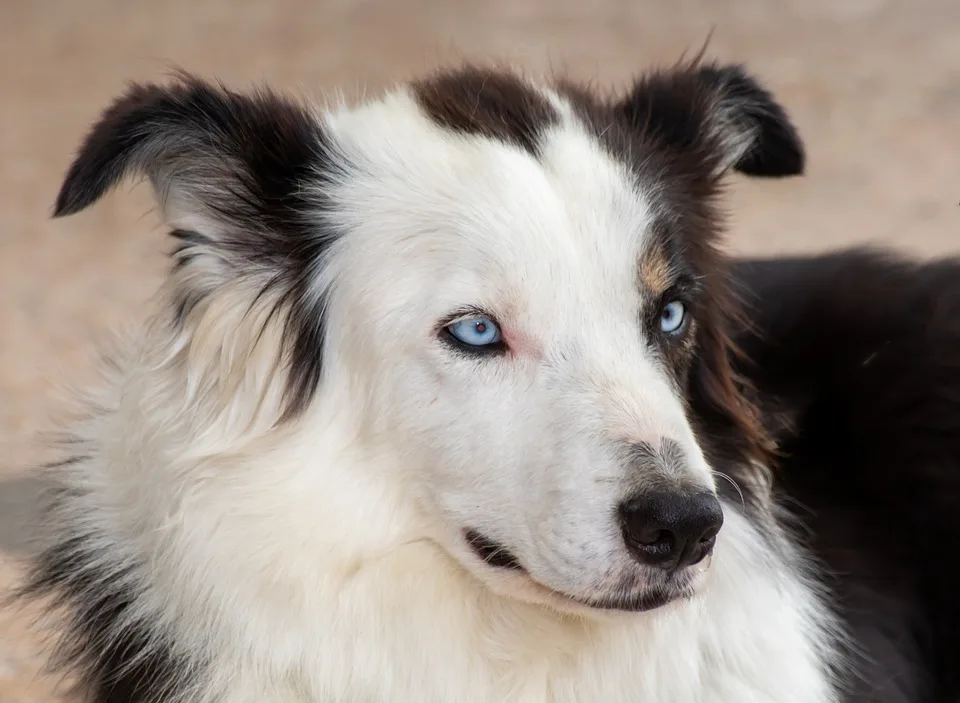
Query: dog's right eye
x=475, y=334
x=673, y=316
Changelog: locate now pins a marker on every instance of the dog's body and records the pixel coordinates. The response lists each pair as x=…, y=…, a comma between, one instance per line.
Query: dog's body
x=855, y=357
x=441, y=406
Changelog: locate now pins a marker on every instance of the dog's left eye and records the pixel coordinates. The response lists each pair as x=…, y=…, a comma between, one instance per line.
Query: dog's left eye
x=672, y=317
x=475, y=332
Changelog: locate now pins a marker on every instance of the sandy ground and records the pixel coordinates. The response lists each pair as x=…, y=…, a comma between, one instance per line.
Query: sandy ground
x=874, y=86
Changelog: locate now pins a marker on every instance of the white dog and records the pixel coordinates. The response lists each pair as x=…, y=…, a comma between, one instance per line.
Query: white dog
x=439, y=407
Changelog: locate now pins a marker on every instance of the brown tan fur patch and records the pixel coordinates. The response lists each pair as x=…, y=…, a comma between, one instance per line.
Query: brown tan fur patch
x=655, y=270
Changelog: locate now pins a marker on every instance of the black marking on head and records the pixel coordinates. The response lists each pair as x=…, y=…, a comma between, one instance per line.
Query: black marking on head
x=115, y=653
x=487, y=103
x=253, y=167
x=719, y=112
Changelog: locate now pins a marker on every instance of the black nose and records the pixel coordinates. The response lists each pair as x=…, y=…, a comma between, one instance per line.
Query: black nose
x=671, y=529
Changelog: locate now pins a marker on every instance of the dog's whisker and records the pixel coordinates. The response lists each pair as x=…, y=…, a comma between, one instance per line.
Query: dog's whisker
x=736, y=486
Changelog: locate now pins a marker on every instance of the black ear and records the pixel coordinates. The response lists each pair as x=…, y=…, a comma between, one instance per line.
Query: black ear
x=218, y=154
x=721, y=113
x=242, y=181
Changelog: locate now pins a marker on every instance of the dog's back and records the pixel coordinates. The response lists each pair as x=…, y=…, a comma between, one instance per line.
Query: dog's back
x=856, y=360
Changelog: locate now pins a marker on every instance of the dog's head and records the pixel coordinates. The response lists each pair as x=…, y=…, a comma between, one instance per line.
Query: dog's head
x=517, y=281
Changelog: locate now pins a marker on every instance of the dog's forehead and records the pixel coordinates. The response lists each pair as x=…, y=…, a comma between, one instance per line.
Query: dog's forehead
x=495, y=162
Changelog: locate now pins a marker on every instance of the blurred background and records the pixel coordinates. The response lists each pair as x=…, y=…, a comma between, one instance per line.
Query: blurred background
x=874, y=86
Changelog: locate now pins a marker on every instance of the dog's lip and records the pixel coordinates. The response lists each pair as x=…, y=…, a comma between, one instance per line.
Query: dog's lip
x=490, y=552
x=642, y=603
x=497, y=556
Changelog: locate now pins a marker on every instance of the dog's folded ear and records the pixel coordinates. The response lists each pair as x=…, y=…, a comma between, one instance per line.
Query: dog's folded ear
x=242, y=181
x=720, y=114
x=214, y=156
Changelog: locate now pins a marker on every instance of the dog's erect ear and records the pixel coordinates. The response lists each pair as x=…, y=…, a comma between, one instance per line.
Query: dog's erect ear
x=720, y=113
x=217, y=157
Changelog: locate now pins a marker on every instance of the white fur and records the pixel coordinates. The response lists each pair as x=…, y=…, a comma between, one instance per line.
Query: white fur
x=323, y=560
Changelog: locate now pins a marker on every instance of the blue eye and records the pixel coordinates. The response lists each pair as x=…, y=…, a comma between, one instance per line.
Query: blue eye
x=672, y=317
x=475, y=331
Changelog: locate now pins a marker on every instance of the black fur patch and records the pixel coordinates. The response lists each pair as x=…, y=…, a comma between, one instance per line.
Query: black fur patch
x=487, y=103
x=257, y=164
x=111, y=652
x=861, y=353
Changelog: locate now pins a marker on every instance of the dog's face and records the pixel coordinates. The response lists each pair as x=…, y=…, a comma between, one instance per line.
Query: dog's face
x=518, y=282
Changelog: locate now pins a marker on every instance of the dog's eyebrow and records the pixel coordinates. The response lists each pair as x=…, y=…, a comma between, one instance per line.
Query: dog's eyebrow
x=660, y=271
x=662, y=265
x=656, y=269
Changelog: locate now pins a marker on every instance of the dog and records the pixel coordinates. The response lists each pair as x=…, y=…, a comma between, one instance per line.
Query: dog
x=449, y=397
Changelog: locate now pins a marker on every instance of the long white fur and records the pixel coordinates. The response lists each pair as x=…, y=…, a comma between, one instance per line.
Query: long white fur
x=322, y=560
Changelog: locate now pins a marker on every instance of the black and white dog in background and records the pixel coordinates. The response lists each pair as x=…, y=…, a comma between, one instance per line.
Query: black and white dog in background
x=454, y=398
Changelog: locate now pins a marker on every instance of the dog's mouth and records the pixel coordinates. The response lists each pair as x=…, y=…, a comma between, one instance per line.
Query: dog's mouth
x=493, y=553
x=497, y=556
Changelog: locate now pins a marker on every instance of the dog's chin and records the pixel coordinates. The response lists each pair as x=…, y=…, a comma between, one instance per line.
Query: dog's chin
x=505, y=575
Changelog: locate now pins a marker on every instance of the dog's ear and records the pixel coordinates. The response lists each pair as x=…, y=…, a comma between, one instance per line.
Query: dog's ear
x=242, y=182
x=719, y=113
x=218, y=159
